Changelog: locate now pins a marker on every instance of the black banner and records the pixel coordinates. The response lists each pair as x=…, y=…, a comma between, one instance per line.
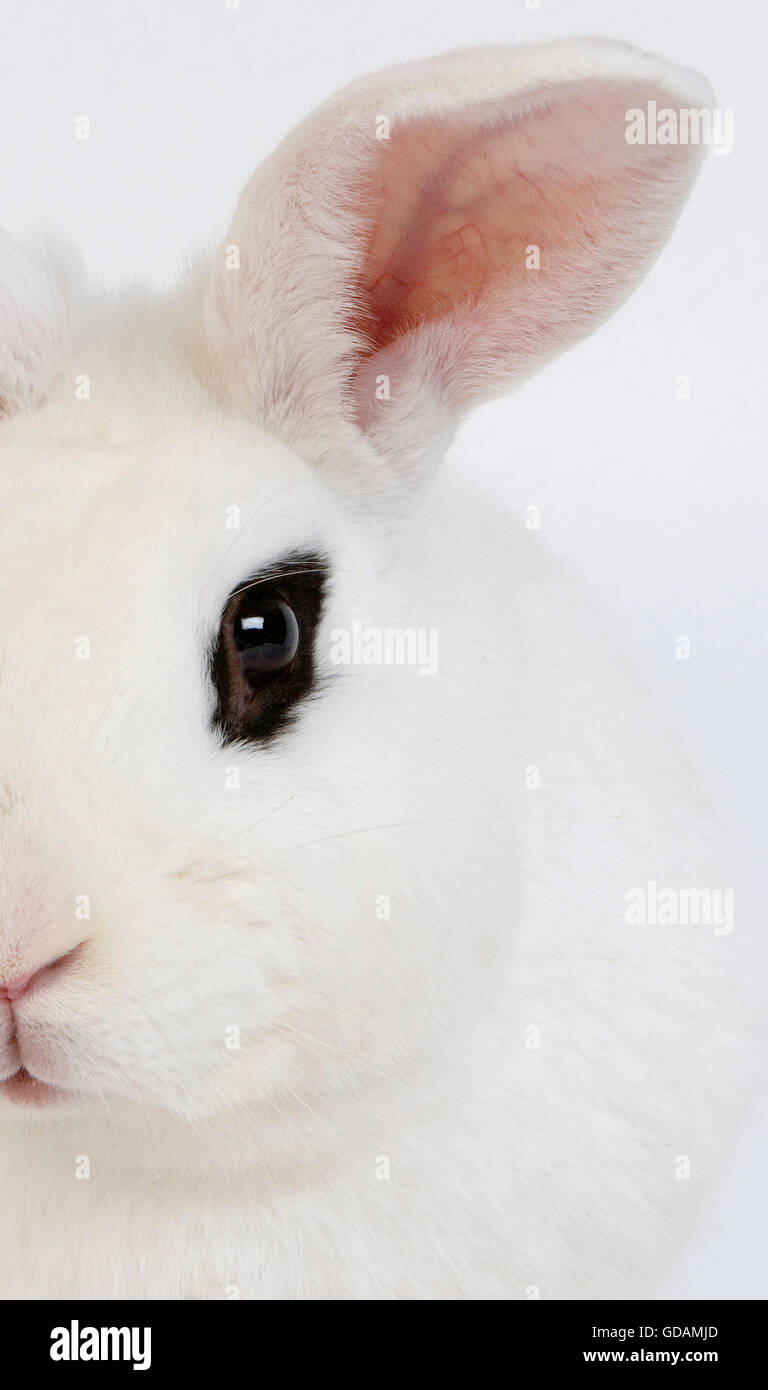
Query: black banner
x=214, y=1339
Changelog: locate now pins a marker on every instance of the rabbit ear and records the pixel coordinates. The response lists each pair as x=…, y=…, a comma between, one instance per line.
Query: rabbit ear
x=33, y=324
x=436, y=231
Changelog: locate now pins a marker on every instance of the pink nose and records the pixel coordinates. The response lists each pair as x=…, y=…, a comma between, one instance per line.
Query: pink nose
x=11, y=990
x=15, y=988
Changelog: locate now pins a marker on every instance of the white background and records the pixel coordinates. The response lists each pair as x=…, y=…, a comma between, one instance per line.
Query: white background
x=658, y=504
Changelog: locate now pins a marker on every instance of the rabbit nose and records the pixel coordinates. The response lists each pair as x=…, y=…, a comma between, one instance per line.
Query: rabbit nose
x=13, y=989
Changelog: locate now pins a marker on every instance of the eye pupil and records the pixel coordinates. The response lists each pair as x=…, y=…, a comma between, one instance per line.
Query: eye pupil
x=266, y=640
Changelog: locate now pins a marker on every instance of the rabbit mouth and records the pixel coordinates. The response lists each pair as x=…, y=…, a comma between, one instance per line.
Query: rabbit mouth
x=25, y=1089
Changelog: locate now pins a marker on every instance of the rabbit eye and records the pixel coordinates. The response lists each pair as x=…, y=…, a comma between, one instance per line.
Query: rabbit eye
x=266, y=641
x=262, y=663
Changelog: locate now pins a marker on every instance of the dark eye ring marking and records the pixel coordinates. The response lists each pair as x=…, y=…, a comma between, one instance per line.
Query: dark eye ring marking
x=262, y=663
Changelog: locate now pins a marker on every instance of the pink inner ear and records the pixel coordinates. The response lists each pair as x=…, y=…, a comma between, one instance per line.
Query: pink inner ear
x=440, y=234
x=455, y=205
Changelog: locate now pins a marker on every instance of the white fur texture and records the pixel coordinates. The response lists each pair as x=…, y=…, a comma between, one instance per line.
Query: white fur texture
x=33, y=323
x=388, y=1127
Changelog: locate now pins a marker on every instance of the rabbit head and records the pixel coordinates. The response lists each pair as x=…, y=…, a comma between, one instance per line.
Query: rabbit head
x=237, y=861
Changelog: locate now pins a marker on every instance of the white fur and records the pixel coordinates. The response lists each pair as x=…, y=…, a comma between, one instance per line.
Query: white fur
x=33, y=322
x=259, y=1169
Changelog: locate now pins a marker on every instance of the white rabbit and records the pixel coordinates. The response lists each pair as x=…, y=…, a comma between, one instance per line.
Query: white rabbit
x=331, y=964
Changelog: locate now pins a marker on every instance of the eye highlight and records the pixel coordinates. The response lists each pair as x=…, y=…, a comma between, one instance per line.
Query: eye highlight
x=266, y=641
x=262, y=663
